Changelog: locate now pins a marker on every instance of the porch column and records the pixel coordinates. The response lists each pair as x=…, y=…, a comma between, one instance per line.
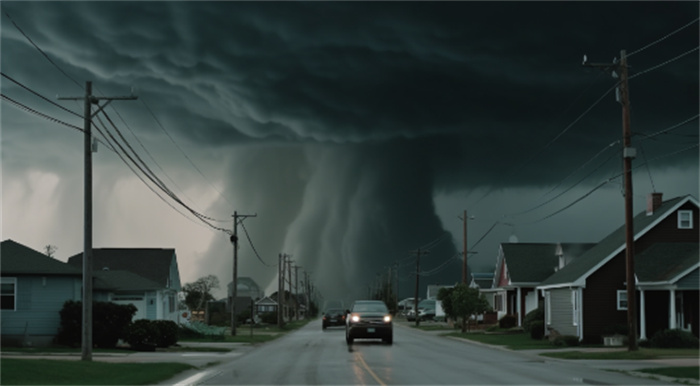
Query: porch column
x=672, y=310
x=642, y=316
x=519, y=309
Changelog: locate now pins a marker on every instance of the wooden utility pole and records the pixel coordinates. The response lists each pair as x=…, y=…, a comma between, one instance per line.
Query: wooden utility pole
x=89, y=100
x=418, y=252
x=464, y=252
x=621, y=69
x=234, y=285
x=628, y=154
x=280, y=288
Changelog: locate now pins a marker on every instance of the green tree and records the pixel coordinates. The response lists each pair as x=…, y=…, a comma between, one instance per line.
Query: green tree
x=467, y=302
x=445, y=296
x=197, y=294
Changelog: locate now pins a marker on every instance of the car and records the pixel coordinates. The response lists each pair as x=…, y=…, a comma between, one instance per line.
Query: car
x=333, y=317
x=426, y=311
x=369, y=319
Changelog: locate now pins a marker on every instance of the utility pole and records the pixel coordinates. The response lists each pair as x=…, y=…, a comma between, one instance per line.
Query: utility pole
x=415, y=299
x=234, y=289
x=280, y=288
x=296, y=291
x=628, y=155
x=464, y=252
x=89, y=100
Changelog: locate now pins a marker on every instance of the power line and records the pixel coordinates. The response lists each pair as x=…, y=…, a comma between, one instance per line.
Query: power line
x=183, y=152
x=42, y=51
x=37, y=113
x=253, y=246
x=664, y=63
x=663, y=38
x=39, y=95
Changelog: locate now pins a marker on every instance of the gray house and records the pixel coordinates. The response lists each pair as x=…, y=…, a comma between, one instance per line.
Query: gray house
x=589, y=295
x=34, y=288
x=146, y=277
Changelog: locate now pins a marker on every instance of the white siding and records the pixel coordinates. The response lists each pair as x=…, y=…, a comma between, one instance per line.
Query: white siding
x=561, y=312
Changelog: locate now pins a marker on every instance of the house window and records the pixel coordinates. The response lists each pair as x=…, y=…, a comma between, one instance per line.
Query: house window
x=621, y=300
x=498, y=302
x=548, y=307
x=575, y=306
x=8, y=294
x=685, y=219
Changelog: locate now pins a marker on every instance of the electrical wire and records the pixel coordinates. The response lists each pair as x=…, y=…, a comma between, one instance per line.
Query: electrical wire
x=663, y=38
x=39, y=95
x=667, y=130
x=663, y=64
x=183, y=152
x=253, y=246
x=42, y=52
x=28, y=109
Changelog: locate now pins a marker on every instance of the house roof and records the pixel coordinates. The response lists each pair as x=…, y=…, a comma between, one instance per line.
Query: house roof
x=150, y=263
x=578, y=270
x=666, y=262
x=535, y=262
x=123, y=281
x=18, y=259
x=266, y=301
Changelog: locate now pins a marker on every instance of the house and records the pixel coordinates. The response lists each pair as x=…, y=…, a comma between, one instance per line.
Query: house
x=265, y=305
x=520, y=268
x=148, y=278
x=481, y=280
x=34, y=289
x=588, y=296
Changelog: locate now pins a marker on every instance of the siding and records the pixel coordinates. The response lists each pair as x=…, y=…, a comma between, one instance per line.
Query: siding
x=600, y=299
x=39, y=301
x=562, y=311
x=691, y=281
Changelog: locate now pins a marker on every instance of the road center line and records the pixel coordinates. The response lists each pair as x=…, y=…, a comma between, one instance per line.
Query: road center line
x=364, y=365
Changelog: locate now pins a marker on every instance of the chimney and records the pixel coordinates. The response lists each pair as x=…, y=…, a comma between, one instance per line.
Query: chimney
x=654, y=201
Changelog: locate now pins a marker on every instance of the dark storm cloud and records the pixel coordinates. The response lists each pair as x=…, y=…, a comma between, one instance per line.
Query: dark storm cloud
x=341, y=120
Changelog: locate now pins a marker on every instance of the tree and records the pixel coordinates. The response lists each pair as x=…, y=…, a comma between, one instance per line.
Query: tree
x=445, y=296
x=467, y=302
x=197, y=294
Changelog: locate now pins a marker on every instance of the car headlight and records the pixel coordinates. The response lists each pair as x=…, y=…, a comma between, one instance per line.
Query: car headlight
x=355, y=318
x=387, y=318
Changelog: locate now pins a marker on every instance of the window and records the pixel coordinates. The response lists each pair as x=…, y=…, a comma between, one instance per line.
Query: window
x=621, y=300
x=8, y=294
x=498, y=302
x=685, y=219
x=574, y=306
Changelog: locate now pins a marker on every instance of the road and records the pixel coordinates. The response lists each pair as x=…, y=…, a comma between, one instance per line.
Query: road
x=312, y=356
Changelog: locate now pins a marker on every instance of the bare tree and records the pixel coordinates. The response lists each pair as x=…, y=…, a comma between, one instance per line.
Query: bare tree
x=197, y=294
x=50, y=250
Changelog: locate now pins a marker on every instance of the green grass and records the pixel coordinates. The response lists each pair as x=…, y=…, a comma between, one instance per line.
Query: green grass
x=642, y=353
x=433, y=327
x=61, y=372
x=692, y=372
x=519, y=341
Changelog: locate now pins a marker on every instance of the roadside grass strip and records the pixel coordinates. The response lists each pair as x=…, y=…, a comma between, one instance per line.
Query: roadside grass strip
x=641, y=354
x=520, y=341
x=62, y=372
x=690, y=372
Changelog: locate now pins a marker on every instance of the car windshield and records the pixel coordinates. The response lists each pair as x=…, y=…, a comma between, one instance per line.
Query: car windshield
x=370, y=307
x=427, y=303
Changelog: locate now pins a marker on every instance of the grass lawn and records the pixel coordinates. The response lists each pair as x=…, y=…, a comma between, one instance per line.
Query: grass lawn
x=692, y=372
x=61, y=372
x=243, y=334
x=642, y=353
x=518, y=341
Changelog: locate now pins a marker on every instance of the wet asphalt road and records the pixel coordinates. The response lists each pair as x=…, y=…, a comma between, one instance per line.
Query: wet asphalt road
x=312, y=356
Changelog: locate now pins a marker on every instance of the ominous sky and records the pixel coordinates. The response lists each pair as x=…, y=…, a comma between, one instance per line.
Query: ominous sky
x=356, y=131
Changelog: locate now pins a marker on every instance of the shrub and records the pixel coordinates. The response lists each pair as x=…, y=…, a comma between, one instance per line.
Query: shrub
x=566, y=340
x=508, y=321
x=269, y=318
x=674, y=339
x=167, y=333
x=536, y=329
x=142, y=333
x=616, y=329
x=109, y=322
x=536, y=315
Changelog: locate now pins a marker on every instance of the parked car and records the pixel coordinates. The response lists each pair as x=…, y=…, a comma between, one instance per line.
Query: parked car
x=426, y=311
x=333, y=317
x=369, y=319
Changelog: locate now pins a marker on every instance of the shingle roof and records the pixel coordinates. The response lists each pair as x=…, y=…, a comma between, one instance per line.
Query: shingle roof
x=606, y=248
x=535, y=262
x=663, y=262
x=150, y=263
x=18, y=259
x=123, y=281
